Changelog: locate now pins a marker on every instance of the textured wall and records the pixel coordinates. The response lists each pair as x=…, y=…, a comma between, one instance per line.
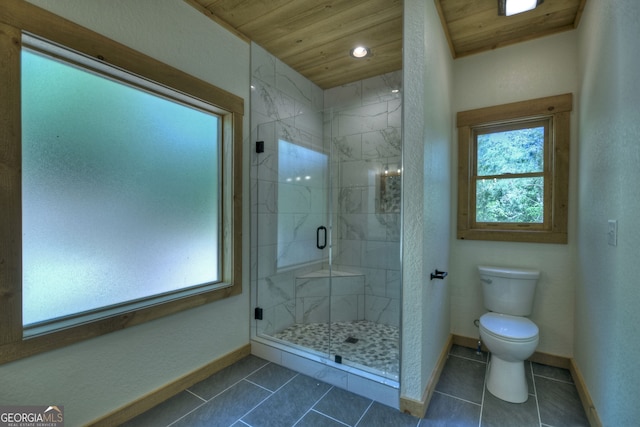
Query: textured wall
x=426, y=190
x=542, y=67
x=94, y=377
x=608, y=298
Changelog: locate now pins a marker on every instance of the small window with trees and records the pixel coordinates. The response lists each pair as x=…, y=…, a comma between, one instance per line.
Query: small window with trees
x=513, y=171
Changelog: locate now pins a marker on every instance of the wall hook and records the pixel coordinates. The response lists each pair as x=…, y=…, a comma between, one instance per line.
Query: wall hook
x=439, y=274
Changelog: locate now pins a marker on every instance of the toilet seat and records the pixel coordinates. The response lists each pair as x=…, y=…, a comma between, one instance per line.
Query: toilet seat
x=509, y=328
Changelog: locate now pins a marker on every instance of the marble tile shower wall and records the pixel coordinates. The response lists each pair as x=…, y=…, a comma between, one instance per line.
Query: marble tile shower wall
x=364, y=121
x=284, y=105
x=319, y=300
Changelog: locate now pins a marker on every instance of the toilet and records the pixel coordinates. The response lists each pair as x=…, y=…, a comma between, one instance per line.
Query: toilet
x=506, y=332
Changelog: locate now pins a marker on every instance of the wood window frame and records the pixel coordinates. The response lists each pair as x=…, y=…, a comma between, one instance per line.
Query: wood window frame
x=555, y=109
x=18, y=17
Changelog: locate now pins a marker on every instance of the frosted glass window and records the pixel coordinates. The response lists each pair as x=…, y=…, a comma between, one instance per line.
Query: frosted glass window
x=120, y=191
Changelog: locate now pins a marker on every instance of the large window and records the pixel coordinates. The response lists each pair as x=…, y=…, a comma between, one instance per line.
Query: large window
x=513, y=171
x=121, y=186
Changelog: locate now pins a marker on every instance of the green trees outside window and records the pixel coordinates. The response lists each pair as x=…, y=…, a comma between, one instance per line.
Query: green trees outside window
x=503, y=194
x=513, y=171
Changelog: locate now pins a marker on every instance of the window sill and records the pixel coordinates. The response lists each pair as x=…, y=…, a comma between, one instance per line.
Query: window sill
x=527, y=236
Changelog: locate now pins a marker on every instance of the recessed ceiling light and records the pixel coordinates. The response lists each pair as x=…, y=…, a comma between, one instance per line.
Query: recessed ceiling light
x=360, y=52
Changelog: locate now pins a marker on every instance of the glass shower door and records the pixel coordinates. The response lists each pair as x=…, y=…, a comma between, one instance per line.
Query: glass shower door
x=293, y=241
x=365, y=255
x=328, y=239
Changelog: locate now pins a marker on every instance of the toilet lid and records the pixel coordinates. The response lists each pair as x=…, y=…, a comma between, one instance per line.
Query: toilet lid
x=510, y=327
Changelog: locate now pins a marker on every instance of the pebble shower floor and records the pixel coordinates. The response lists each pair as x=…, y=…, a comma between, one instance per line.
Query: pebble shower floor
x=363, y=342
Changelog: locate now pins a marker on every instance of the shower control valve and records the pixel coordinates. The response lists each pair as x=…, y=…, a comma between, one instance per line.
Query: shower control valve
x=439, y=274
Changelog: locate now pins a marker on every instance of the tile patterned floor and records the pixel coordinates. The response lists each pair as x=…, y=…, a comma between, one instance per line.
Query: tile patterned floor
x=462, y=399
x=254, y=392
x=376, y=345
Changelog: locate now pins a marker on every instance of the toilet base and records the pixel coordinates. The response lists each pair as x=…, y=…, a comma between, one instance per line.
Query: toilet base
x=507, y=380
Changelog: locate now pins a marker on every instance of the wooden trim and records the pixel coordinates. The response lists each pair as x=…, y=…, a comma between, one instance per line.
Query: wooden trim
x=419, y=408
x=237, y=176
x=169, y=390
x=537, y=357
x=467, y=342
x=561, y=131
x=525, y=236
x=27, y=347
x=585, y=397
x=16, y=16
x=555, y=228
x=576, y=22
x=464, y=172
x=10, y=186
x=515, y=110
x=445, y=28
x=550, y=360
x=30, y=18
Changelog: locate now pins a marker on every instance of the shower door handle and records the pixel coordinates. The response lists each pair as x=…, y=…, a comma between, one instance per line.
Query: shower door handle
x=318, y=230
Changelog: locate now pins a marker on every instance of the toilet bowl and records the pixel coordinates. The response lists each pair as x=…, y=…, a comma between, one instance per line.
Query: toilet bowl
x=511, y=340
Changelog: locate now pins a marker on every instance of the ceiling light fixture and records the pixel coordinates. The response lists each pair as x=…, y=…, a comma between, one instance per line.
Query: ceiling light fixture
x=360, y=52
x=512, y=7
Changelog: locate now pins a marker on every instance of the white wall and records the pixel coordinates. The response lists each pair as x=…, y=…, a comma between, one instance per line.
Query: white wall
x=427, y=135
x=607, y=298
x=94, y=377
x=543, y=67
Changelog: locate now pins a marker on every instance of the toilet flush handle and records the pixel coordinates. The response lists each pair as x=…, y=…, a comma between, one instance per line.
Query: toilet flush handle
x=487, y=281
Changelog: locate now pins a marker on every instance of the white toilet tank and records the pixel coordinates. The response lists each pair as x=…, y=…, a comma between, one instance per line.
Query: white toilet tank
x=508, y=290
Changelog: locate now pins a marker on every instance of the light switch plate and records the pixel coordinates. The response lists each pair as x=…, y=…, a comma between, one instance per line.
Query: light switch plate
x=613, y=232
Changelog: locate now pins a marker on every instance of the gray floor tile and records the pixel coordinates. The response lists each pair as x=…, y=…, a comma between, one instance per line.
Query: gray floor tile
x=445, y=411
x=559, y=403
x=289, y=404
x=315, y=419
x=343, y=406
x=225, y=408
x=227, y=377
x=379, y=415
x=463, y=378
x=272, y=376
x=529, y=375
x=242, y=390
x=469, y=353
x=552, y=372
x=498, y=413
x=166, y=412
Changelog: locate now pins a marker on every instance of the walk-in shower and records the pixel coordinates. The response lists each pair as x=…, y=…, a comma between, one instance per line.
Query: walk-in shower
x=326, y=217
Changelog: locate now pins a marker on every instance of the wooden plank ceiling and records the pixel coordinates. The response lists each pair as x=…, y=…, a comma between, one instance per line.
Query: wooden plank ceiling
x=473, y=26
x=314, y=37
